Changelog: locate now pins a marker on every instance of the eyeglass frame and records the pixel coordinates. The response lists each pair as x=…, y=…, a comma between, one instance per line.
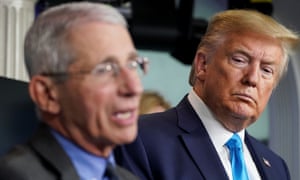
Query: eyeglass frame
x=106, y=67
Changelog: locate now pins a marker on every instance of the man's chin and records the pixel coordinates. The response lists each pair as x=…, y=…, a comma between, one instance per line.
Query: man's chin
x=243, y=113
x=128, y=136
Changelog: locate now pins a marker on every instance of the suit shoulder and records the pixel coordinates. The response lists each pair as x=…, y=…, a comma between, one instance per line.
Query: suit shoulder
x=17, y=163
x=160, y=118
x=23, y=163
x=263, y=149
x=17, y=154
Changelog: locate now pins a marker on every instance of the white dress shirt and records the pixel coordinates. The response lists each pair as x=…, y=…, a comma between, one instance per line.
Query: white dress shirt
x=219, y=136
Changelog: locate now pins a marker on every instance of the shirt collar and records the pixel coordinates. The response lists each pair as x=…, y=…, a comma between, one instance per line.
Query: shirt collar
x=87, y=165
x=216, y=131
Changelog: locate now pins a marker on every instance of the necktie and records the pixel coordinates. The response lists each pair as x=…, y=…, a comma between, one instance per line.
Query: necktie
x=239, y=171
x=110, y=172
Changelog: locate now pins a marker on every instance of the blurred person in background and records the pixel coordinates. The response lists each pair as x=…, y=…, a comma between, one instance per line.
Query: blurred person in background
x=84, y=81
x=152, y=102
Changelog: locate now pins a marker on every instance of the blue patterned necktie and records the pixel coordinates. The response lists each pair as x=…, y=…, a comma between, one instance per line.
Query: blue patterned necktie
x=239, y=171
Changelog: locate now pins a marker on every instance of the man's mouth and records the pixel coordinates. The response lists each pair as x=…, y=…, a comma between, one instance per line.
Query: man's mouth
x=245, y=97
x=124, y=115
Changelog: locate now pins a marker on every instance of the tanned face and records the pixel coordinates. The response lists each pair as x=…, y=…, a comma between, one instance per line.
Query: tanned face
x=237, y=80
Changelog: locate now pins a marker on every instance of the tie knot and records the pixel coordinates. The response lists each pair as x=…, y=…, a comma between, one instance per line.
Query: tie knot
x=234, y=142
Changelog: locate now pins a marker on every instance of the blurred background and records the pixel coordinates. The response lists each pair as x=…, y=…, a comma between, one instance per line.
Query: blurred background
x=168, y=32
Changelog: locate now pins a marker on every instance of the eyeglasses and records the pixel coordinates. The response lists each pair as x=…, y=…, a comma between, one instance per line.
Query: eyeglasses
x=108, y=70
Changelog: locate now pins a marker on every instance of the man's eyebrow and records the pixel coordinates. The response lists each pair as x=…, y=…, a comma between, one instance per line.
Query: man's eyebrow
x=241, y=51
x=108, y=59
x=112, y=58
x=265, y=60
x=132, y=55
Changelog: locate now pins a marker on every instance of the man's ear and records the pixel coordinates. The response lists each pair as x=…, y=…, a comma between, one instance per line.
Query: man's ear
x=44, y=93
x=200, y=65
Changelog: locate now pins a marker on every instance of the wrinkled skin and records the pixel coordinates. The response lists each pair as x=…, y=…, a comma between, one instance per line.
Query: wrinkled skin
x=237, y=80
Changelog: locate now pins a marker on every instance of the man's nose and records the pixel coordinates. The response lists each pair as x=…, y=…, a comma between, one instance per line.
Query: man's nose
x=251, y=75
x=130, y=82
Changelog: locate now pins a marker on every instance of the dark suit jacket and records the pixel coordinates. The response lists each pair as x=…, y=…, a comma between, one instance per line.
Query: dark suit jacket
x=17, y=113
x=42, y=159
x=174, y=145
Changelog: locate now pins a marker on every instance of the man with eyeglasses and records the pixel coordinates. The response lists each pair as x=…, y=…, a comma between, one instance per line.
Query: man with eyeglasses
x=84, y=80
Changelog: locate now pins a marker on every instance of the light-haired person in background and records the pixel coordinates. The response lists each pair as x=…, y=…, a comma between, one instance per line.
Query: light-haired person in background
x=238, y=63
x=152, y=101
x=84, y=81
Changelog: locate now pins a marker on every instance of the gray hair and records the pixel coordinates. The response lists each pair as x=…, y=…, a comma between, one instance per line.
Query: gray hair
x=46, y=46
x=234, y=21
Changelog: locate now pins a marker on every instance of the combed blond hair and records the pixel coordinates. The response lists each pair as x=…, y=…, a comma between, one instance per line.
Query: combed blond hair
x=235, y=21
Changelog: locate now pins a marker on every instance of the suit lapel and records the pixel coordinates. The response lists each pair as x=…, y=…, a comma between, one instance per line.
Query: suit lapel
x=198, y=143
x=49, y=149
x=204, y=155
x=260, y=159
